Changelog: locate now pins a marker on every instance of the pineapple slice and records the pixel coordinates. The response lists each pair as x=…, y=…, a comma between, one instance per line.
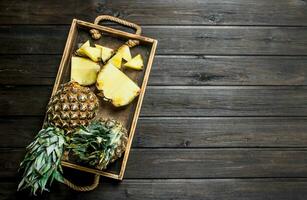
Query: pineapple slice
x=135, y=63
x=125, y=52
x=93, y=53
x=116, y=86
x=83, y=70
x=80, y=50
x=106, y=52
x=116, y=60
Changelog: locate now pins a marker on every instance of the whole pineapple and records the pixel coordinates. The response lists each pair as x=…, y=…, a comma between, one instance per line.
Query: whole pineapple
x=71, y=106
x=100, y=143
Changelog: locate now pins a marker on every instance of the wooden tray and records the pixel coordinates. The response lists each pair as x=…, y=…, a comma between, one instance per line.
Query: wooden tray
x=128, y=116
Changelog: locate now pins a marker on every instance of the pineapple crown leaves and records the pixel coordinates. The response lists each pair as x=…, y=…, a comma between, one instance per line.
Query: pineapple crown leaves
x=42, y=162
x=99, y=143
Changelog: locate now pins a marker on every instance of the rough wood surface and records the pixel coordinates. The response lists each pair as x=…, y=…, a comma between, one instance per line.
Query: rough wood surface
x=215, y=40
x=218, y=12
x=196, y=163
x=180, y=101
x=230, y=189
x=224, y=117
x=174, y=70
x=186, y=132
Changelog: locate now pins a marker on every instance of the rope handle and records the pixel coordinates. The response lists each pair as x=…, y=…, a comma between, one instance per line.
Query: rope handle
x=83, y=188
x=131, y=43
x=97, y=35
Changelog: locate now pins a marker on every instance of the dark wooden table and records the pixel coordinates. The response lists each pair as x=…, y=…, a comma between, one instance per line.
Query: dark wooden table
x=225, y=113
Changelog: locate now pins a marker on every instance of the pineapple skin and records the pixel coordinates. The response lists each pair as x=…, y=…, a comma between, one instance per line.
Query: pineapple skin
x=71, y=106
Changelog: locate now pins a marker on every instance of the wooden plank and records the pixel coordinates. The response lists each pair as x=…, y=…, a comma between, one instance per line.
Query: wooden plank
x=173, y=70
x=228, y=70
x=230, y=189
x=221, y=132
x=216, y=40
x=19, y=132
x=220, y=12
x=225, y=101
x=180, y=101
x=196, y=163
x=29, y=69
x=185, y=132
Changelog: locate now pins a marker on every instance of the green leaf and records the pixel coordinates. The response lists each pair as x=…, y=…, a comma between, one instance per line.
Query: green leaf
x=50, y=149
x=42, y=160
x=58, y=177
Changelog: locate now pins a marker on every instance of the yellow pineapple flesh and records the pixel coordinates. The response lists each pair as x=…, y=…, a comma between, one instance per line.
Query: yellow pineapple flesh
x=93, y=53
x=116, y=87
x=106, y=52
x=135, y=63
x=116, y=60
x=125, y=52
x=83, y=70
x=80, y=51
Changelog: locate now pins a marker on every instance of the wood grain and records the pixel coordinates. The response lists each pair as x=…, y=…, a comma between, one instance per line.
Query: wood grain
x=221, y=132
x=188, y=40
x=174, y=70
x=230, y=189
x=185, y=132
x=180, y=101
x=219, y=12
x=196, y=163
x=224, y=118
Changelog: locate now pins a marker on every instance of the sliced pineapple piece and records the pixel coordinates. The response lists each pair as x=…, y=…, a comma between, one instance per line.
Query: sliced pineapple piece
x=116, y=60
x=125, y=52
x=116, y=86
x=83, y=70
x=135, y=63
x=93, y=53
x=80, y=50
x=106, y=52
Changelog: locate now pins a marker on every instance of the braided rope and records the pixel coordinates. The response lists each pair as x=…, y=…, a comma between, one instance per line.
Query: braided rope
x=131, y=43
x=83, y=188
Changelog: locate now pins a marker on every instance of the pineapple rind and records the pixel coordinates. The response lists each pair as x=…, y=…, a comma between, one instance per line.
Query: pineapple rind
x=71, y=106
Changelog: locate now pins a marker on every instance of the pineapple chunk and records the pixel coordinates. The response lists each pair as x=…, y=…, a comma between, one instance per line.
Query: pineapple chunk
x=106, y=52
x=80, y=50
x=135, y=63
x=125, y=52
x=116, y=86
x=93, y=53
x=116, y=60
x=83, y=70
